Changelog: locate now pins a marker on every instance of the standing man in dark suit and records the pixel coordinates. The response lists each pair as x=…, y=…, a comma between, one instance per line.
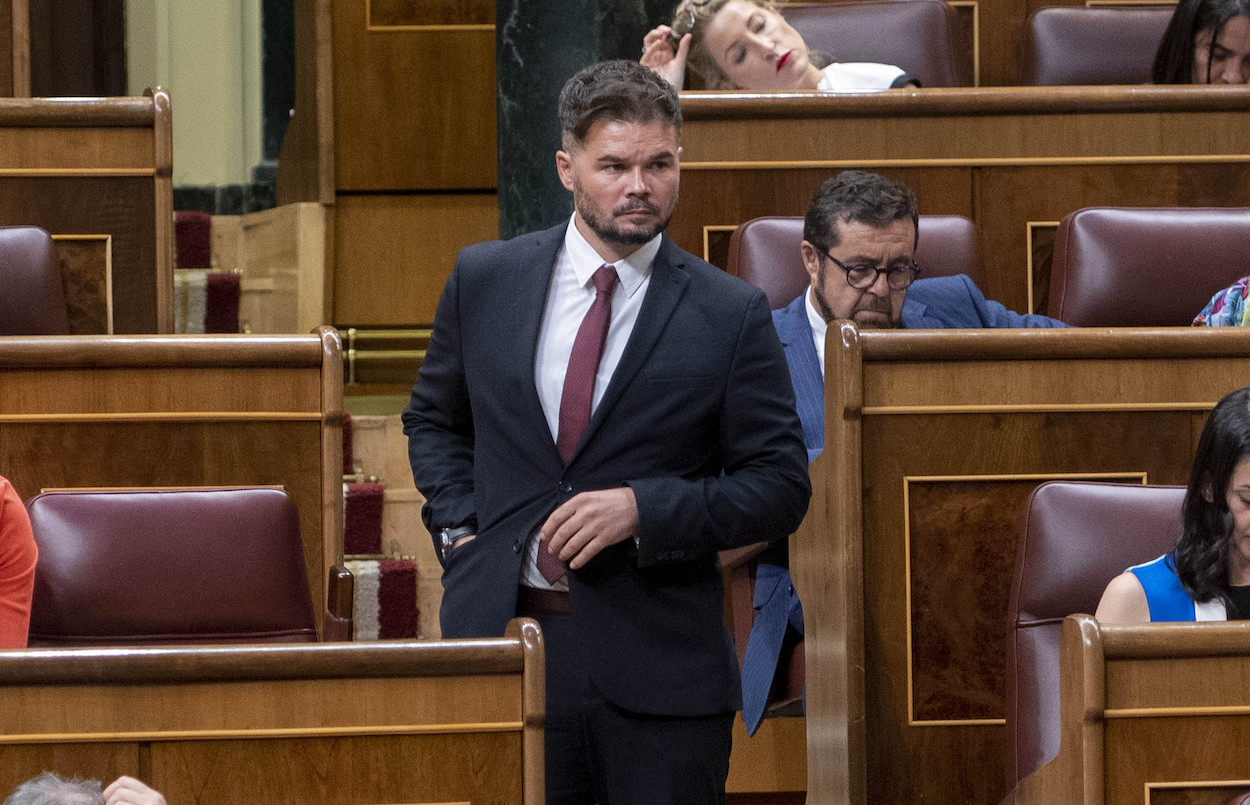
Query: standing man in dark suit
x=599, y=413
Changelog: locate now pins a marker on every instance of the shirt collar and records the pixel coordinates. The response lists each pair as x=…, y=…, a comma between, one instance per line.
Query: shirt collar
x=586, y=261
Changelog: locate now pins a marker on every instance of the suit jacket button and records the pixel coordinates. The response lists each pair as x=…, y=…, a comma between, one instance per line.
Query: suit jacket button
x=517, y=546
x=564, y=486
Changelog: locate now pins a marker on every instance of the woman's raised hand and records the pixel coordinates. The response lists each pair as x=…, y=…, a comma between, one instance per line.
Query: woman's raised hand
x=657, y=53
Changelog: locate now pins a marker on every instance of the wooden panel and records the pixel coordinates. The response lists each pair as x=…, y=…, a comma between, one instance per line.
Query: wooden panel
x=945, y=432
x=181, y=411
x=119, y=208
x=339, y=723
x=413, y=109
x=1122, y=723
x=400, y=13
x=101, y=168
x=1003, y=157
x=392, y=254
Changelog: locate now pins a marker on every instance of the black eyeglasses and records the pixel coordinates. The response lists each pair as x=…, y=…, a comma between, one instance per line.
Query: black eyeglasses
x=861, y=277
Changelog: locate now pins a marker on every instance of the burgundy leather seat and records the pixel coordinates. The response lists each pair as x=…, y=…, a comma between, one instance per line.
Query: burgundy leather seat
x=32, y=301
x=765, y=252
x=1075, y=45
x=1076, y=537
x=1145, y=266
x=169, y=566
x=922, y=37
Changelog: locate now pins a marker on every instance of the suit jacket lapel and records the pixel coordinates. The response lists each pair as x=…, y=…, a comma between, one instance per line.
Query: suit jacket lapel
x=529, y=281
x=668, y=282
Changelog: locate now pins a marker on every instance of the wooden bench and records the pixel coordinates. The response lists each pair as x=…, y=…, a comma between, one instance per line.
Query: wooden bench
x=1160, y=710
x=97, y=174
x=1014, y=160
x=143, y=411
x=933, y=441
x=447, y=721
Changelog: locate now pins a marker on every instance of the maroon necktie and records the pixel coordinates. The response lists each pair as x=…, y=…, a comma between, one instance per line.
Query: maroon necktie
x=579, y=388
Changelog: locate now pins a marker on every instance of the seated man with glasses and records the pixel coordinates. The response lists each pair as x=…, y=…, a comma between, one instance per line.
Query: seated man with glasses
x=859, y=238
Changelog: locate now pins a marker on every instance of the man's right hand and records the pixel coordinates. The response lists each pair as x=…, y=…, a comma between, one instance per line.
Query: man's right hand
x=462, y=541
x=657, y=53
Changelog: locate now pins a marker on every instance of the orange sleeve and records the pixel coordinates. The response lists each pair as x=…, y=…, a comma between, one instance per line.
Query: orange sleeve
x=18, y=556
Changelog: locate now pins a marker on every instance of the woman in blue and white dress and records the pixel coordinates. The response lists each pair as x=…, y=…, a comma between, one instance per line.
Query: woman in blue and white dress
x=1206, y=577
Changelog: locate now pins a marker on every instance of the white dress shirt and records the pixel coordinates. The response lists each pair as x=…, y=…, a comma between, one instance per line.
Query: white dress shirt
x=819, y=327
x=568, y=299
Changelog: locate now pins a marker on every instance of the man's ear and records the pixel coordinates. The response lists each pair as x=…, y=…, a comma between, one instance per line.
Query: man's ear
x=811, y=261
x=564, y=167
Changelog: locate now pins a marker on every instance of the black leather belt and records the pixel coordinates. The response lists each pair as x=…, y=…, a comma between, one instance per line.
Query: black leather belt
x=530, y=601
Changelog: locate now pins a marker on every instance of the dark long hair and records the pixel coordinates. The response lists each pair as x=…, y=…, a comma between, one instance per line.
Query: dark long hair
x=1174, y=60
x=1201, y=555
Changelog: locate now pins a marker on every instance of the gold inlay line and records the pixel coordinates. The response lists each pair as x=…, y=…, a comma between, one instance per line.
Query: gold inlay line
x=1176, y=712
x=167, y=416
x=1036, y=408
x=965, y=162
x=109, y=172
x=255, y=734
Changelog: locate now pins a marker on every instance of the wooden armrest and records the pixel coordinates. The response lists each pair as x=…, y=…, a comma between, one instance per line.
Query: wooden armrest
x=338, y=624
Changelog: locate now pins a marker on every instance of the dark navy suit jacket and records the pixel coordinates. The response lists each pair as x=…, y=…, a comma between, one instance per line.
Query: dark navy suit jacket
x=691, y=420
x=938, y=303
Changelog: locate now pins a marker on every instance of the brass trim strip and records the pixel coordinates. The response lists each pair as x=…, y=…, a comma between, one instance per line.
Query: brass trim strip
x=1028, y=476
x=257, y=734
x=166, y=416
x=365, y=355
x=968, y=162
x=51, y=172
x=1035, y=408
x=908, y=480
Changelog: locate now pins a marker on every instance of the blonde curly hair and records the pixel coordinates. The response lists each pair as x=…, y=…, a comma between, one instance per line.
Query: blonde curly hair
x=691, y=17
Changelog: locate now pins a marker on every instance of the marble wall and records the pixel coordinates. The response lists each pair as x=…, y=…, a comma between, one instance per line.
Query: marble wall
x=537, y=47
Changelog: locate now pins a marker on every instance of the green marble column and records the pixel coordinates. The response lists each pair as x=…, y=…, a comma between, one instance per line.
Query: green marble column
x=538, y=45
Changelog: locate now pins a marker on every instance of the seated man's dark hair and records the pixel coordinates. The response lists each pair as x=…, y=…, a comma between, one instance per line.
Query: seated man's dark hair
x=866, y=198
x=621, y=91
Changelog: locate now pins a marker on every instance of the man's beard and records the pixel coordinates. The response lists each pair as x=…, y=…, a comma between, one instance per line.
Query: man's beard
x=866, y=302
x=608, y=231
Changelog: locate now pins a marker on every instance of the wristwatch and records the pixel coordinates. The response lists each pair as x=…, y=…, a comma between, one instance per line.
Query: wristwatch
x=448, y=536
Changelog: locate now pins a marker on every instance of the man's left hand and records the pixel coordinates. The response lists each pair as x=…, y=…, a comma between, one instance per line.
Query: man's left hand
x=589, y=522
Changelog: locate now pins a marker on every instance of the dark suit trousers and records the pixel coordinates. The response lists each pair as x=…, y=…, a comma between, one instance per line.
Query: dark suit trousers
x=599, y=753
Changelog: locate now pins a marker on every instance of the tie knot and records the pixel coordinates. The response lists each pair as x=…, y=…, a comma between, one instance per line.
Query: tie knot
x=604, y=279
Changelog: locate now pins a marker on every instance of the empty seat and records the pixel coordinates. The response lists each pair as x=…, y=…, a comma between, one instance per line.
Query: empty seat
x=1076, y=45
x=765, y=252
x=1145, y=266
x=32, y=301
x=920, y=36
x=1075, y=538
x=190, y=565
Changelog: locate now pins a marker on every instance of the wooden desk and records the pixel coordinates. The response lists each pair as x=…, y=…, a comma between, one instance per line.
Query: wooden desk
x=933, y=441
x=1015, y=160
x=448, y=721
x=1159, y=709
x=97, y=174
x=109, y=411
